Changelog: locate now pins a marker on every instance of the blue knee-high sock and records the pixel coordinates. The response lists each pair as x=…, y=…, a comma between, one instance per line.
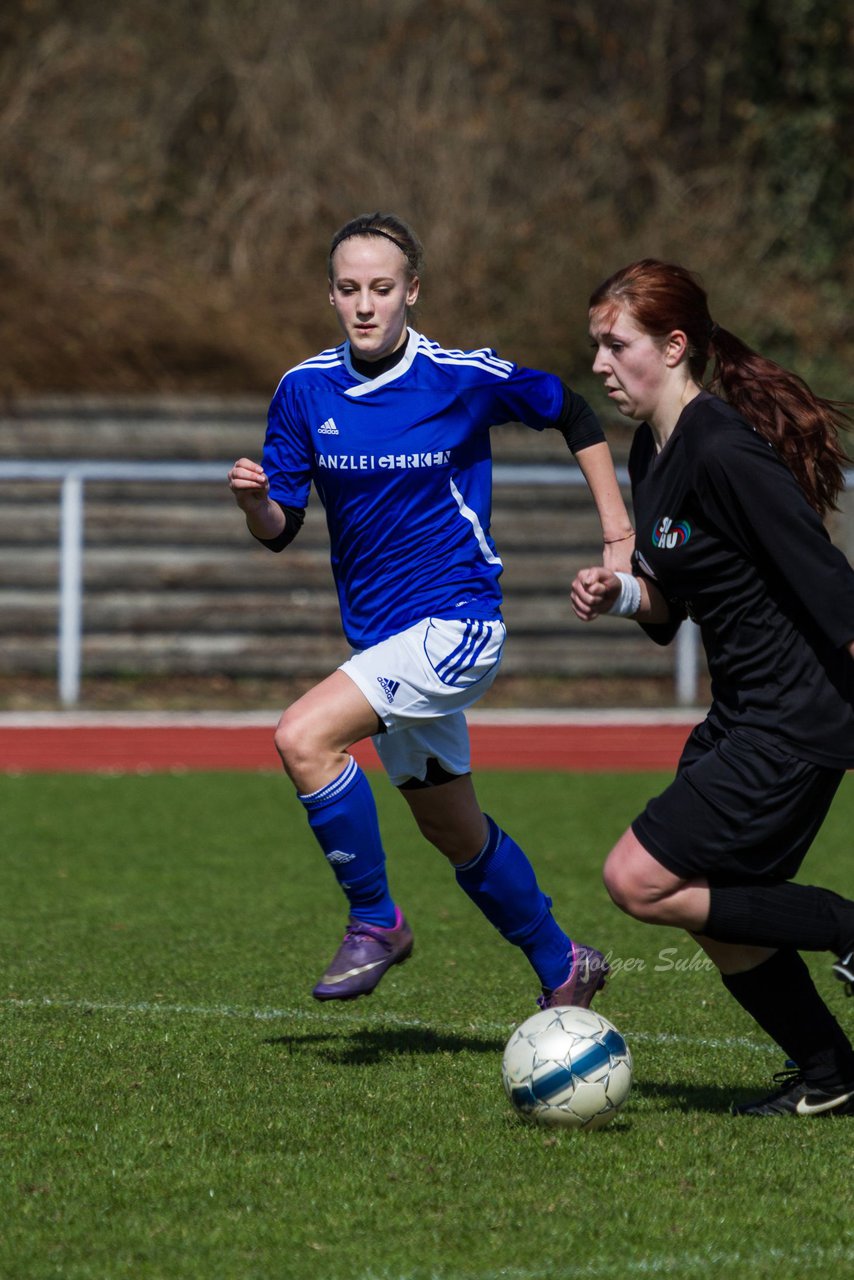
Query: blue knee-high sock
x=501, y=882
x=343, y=817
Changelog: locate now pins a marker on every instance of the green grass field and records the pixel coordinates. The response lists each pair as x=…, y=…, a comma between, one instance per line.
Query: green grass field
x=175, y=1104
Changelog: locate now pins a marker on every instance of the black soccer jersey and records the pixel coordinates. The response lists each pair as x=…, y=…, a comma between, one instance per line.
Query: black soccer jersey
x=726, y=532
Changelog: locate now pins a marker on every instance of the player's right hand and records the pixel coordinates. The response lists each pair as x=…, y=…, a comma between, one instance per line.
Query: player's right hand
x=593, y=592
x=248, y=482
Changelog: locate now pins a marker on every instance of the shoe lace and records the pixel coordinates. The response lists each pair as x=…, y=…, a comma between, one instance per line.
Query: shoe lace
x=786, y=1079
x=355, y=929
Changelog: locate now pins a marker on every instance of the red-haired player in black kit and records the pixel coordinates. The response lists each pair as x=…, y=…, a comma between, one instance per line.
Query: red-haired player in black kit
x=730, y=486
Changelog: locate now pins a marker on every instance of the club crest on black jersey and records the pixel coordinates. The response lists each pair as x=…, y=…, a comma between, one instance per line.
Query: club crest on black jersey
x=669, y=534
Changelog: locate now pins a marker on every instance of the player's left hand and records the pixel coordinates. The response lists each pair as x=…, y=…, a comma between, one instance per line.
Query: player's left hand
x=593, y=592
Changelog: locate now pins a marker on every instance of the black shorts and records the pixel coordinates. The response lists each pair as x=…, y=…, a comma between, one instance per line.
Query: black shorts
x=740, y=807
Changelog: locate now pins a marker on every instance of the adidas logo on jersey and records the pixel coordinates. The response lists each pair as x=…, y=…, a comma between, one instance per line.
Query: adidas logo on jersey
x=389, y=687
x=327, y=428
x=339, y=858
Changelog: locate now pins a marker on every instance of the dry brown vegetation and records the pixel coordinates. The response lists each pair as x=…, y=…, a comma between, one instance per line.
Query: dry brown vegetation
x=172, y=173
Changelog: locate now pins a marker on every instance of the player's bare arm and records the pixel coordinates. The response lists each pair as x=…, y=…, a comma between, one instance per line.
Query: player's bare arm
x=597, y=467
x=251, y=488
x=595, y=590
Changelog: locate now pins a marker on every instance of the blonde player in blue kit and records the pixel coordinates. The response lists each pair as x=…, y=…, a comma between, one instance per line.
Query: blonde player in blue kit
x=393, y=432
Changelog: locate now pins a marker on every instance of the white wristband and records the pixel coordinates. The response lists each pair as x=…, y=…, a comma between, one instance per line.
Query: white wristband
x=628, y=601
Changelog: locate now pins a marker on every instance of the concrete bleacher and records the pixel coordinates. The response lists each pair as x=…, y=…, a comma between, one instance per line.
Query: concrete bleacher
x=174, y=584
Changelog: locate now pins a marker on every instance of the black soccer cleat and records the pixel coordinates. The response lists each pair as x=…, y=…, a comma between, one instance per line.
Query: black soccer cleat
x=796, y=1096
x=844, y=971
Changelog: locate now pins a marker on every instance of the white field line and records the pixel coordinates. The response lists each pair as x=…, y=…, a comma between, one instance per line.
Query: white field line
x=715, y=1262
x=321, y=1018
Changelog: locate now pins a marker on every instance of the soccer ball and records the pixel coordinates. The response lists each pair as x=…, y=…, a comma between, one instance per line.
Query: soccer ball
x=567, y=1066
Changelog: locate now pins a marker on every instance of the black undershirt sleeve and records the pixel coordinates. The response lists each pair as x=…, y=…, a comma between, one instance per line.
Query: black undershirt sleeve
x=663, y=632
x=294, y=517
x=577, y=422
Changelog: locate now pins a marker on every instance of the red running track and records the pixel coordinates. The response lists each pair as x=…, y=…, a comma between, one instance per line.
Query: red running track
x=130, y=748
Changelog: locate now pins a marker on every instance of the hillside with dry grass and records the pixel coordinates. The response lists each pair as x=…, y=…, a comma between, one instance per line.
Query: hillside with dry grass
x=172, y=174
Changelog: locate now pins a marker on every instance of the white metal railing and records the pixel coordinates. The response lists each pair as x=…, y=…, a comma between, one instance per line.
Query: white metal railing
x=73, y=474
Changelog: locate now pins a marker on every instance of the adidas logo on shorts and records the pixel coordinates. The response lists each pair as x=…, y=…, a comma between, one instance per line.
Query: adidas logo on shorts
x=327, y=428
x=389, y=687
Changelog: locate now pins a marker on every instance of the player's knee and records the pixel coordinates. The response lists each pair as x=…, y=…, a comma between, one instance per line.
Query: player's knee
x=294, y=741
x=616, y=885
x=628, y=890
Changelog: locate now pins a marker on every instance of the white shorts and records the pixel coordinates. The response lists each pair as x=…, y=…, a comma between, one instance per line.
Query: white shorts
x=420, y=682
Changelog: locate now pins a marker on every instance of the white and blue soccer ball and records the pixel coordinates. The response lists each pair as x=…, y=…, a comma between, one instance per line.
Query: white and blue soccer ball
x=567, y=1066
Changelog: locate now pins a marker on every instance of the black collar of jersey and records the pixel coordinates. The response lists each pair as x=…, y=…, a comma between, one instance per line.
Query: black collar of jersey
x=373, y=368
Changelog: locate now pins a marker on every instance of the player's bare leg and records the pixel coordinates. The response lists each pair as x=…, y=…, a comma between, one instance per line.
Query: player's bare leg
x=313, y=738
x=450, y=817
x=733, y=957
x=314, y=735
x=646, y=890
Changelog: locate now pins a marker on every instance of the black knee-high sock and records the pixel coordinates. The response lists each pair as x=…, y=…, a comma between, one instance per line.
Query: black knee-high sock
x=781, y=996
x=802, y=916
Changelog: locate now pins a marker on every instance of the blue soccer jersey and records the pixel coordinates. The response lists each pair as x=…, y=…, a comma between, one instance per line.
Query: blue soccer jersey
x=402, y=464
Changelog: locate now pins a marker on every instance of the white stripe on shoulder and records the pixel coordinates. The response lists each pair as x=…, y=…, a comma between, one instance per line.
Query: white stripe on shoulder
x=331, y=358
x=323, y=360
x=483, y=358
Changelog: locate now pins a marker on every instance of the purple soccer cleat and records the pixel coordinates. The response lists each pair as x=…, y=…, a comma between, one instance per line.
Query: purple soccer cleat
x=365, y=954
x=586, y=977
